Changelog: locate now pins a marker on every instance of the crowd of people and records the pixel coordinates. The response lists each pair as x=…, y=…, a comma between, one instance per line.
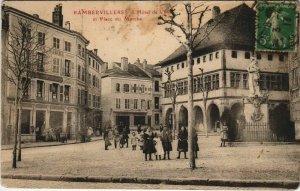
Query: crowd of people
x=158, y=144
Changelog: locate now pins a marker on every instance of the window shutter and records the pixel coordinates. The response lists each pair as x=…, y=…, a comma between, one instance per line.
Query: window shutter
x=33, y=89
x=62, y=67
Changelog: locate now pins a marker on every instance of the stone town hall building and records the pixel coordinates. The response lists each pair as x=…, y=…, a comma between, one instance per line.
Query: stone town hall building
x=66, y=87
x=224, y=57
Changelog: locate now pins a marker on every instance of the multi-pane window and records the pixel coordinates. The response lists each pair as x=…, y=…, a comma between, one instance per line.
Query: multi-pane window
x=156, y=102
x=55, y=68
x=135, y=104
x=67, y=46
x=40, y=62
x=126, y=87
x=54, y=90
x=207, y=81
x=274, y=82
x=234, y=79
x=233, y=54
x=67, y=67
x=94, y=80
x=79, y=72
x=245, y=81
x=185, y=87
x=118, y=87
x=67, y=93
x=126, y=103
x=40, y=89
x=41, y=38
x=61, y=93
x=56, y=42
x=215, y=81
x=118, y=103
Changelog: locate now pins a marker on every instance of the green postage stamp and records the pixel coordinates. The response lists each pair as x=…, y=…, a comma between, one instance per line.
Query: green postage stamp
x=276, y=27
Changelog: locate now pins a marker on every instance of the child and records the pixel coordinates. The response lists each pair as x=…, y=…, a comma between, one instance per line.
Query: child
x=158, y=146
x=224, y=134
x=134, y=141
x=141, y=140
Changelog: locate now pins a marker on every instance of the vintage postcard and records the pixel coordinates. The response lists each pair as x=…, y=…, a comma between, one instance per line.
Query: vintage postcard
x=150, y=95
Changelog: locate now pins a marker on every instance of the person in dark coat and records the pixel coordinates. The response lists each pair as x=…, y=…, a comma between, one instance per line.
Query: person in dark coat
x=139, y=128
x=166, y=139
x=195, y=143
x=149, y=146
x=106, y=139
x=182, y=142
x=125, y=135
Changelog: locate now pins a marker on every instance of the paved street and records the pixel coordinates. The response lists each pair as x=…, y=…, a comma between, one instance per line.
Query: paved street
x=260, y=162
x=16, y=183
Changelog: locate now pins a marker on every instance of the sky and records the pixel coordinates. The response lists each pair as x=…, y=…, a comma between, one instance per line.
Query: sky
x=113, y=38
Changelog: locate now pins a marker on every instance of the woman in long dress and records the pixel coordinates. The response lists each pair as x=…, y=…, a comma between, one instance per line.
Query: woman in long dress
x=149, y=147
x=182, y=142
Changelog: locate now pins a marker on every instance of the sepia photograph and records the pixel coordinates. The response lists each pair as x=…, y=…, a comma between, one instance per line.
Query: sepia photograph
x=150, y=95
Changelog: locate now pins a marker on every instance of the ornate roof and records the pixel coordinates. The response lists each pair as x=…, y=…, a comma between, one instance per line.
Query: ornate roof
x=235, y=30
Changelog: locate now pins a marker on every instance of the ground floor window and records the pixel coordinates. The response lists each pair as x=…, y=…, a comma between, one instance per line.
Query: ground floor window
x=25, y=122
x=139, y=120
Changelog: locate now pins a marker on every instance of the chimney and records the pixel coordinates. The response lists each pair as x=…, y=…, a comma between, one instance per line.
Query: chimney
x=215, y=11
x=68, y=25
x=95, y=51
x=36, y=15
x=144, y=63
x=124, y=63
x=57, y=17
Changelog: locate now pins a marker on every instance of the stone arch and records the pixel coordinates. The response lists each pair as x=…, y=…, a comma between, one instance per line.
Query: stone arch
x=236, y=112
x=198, y=119
x=183, y=116
x=213, y=117
x=169, y=118
x=280, y=122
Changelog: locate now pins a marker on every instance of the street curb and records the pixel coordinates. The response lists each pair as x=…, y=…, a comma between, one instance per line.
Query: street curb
x=153, y=180
x=58, y=144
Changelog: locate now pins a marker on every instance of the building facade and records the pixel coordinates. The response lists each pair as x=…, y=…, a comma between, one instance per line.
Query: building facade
x=224, y=57
x=130, y=95
x=53, y=97
x=294, y=74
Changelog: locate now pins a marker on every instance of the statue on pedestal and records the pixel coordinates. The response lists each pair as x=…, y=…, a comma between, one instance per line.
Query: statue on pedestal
x=253, y=71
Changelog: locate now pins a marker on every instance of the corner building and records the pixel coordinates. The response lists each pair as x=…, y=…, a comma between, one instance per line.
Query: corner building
x=53, y=97
x=224, y=57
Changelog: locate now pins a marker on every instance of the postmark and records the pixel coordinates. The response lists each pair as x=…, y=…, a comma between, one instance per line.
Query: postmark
x=276, y=27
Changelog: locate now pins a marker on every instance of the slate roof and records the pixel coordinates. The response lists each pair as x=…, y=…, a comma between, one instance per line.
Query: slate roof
x=133, y=71
x=235, y=30
x=149, y=68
